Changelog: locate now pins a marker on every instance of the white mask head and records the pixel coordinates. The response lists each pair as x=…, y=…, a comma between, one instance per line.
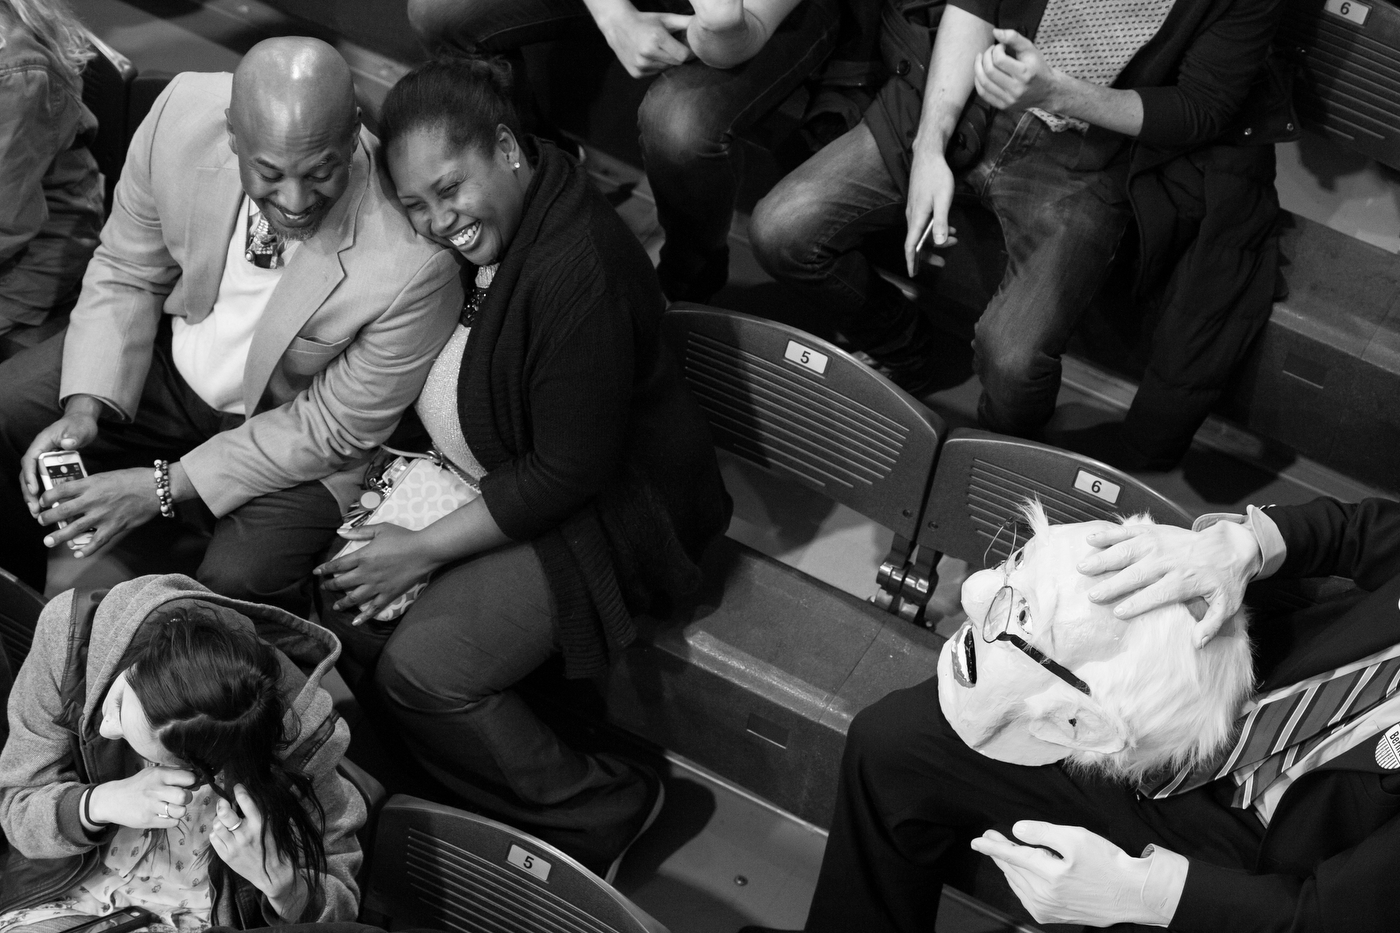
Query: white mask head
x=1152, y=699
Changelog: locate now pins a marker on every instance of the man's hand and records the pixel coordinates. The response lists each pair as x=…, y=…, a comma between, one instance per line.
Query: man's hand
x=1158, y=565
x=644, y=43
x=107, y=504
x=1091, y=881
x=718, y=16
x=74, y=431
x=1012, y=73
x=930, y=196
x=376, y=574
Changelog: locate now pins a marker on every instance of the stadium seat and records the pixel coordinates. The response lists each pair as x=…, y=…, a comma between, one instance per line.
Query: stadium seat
x=759, y=681
x=447, y=869
x=107, y=83
x=806, y=410
x=19, y=614
x=983, y=478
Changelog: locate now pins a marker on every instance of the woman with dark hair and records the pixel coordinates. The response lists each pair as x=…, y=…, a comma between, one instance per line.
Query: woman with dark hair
x=173, y=750
x=49, y=183
x=599, y=486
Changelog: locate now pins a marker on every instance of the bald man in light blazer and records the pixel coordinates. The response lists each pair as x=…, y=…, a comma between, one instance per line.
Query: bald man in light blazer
x=257, y=317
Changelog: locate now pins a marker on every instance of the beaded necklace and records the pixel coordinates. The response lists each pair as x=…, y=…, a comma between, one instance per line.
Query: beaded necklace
x=484, y=275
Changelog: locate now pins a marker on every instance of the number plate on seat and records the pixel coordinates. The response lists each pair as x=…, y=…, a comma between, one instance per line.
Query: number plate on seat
x=1349, y=10
x=806, y=356
x=528, y=862
x=1097, y=486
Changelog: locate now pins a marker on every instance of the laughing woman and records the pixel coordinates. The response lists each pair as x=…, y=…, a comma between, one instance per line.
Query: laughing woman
x=599, y=486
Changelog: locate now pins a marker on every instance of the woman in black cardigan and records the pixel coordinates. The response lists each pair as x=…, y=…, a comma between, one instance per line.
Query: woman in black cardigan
x=599, y=486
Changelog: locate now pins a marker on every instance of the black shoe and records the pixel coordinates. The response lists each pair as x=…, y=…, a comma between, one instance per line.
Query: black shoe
x=656, y=800
x=912, y=359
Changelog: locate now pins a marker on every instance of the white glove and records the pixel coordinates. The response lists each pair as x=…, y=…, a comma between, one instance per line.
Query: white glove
x=1157, y=565
x=1092, y=881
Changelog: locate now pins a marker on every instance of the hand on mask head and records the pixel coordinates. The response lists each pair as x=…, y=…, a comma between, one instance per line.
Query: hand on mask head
x=1159, y=565
x=1090, y=881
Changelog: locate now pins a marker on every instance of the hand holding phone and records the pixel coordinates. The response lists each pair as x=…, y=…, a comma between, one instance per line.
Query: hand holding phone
x=57, y=467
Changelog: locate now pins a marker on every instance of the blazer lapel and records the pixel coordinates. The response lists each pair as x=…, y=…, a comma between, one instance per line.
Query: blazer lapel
x=314, y=271
x=209, y=226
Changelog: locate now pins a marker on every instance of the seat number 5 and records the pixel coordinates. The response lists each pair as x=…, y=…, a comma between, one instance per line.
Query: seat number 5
x=806, y=356
x=528, y=862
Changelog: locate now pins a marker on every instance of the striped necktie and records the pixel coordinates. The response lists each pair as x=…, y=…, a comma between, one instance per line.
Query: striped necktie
x=1282, y=730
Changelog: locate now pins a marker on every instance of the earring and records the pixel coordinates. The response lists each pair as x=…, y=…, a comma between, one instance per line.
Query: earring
x=515, y=167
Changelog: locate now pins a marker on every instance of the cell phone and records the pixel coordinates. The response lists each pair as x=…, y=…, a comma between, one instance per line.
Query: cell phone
x=121, y=921
x=57, y=467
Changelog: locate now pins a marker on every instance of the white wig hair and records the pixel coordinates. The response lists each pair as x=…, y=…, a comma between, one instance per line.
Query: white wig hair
x=1176, y=704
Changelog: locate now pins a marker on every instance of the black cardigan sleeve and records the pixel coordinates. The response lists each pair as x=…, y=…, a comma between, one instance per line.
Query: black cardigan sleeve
x=1214, y=78
x=579, y=387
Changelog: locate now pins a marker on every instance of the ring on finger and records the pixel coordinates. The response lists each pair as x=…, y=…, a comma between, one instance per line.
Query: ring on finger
x=165, y=813
x=234, y=827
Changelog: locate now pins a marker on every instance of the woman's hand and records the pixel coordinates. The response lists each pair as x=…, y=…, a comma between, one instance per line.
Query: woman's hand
x=1158, y=565
x=152, y=798
x=242, y=845
x=376, y=574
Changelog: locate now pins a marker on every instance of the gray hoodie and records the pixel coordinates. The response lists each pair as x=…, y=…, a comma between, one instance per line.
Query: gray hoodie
x=39, y=787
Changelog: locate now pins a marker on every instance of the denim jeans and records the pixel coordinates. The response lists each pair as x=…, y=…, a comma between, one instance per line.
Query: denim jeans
x=688, y=121
x=1061, y=225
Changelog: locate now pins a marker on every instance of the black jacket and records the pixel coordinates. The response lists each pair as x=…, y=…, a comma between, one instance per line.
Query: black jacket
x=1328, y=858
x=595, y=451
x=1194, y=76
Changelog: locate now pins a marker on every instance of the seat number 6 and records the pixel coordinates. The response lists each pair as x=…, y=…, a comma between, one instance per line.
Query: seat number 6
x=1097, y=486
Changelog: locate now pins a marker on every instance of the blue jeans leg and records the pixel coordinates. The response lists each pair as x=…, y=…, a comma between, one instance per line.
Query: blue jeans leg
x=688, y=122
x=1062, y=226
x=808, y=231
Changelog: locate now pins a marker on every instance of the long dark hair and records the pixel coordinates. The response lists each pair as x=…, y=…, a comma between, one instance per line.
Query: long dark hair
x=213, y=697
x=465, y=98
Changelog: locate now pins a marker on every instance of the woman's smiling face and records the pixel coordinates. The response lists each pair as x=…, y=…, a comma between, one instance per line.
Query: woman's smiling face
x=465, y=198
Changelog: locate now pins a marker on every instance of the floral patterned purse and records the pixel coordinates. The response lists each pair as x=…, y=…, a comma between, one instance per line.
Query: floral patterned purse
x=412, y=491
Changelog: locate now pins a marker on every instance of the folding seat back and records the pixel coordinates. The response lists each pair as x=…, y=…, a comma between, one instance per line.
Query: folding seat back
x=983, y=479
x=106, y=86
x=19, y=613
x=443, y=868
x=806, y=410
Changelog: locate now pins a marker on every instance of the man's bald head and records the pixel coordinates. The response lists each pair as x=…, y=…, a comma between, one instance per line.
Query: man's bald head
x=293, y=124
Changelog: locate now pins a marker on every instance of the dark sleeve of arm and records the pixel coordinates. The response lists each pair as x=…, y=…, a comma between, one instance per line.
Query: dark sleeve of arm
x=1214, y=78
x=985, y=10
x=1352, y=891
x=580, y=400
x=1325, y=537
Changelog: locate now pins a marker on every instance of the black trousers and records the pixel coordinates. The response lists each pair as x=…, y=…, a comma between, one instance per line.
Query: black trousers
x=912, y=796
x=444, y=677
x=263, y=551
